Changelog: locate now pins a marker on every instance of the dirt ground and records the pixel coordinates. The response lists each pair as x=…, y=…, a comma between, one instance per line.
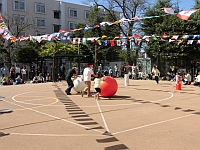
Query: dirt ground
x=141, y=116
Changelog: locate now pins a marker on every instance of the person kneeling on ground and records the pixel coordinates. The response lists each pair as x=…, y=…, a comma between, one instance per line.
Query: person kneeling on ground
x=18, y=80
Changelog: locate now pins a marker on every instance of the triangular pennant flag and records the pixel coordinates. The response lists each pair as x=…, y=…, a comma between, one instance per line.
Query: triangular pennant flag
x=190, y=41
x=175, y=37
x=99, y=42
x=168, y=10
x=184, y=15
x=165, y=35
x=137, y=36
x=180, y=41
x=185, y=36
x=196, y=37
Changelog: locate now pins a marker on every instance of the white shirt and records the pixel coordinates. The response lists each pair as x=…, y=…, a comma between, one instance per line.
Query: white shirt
x=87, y=73
x=188, y=77
x=17, y=70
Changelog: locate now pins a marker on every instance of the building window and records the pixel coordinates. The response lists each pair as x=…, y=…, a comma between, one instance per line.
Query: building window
x=19, y=20
x=40, y=22
x=73, y=13
x=56, y=28
x=87, y=14
x=19, y=5
x=40, y=8
x=57, y=14
x=72, y=25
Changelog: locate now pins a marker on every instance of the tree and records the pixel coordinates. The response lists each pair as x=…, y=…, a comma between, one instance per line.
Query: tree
x=50, y=49
x=16, y=24
x=27, y=53
x=126, y=9
x=163, y=50
x=97, y=49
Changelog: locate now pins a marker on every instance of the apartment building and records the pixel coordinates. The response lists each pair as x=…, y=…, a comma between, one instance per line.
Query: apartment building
x=47, y=16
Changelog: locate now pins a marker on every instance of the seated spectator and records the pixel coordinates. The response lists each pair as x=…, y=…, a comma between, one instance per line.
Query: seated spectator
x=59, y=78
x=5, y=80
x=38, y=79
x=48, y=77
x=140, y=74
x=187, y=79
x=18, y=80
x=197, y=80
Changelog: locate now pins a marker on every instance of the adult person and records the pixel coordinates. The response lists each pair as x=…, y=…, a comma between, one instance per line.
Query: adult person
x=100, y=69
x=32, y=71
x=17, y=71
x=197, y=80
x=156, y=73
x=12, y=72
x=23, y=72
x=62, y=71
x=116, y=68
x=87, y=77
x=45, y=69
x=4, y=71
x=70, y=73
x=39, y=70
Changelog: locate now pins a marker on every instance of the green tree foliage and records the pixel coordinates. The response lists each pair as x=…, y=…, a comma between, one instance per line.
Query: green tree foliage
x=52, y=48
x=126, y=9
x=27, y=54
x=163, y=50
x=95, y=47
x=16, y=24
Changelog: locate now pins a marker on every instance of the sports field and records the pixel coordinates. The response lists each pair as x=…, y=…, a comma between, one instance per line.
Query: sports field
x=141, y=116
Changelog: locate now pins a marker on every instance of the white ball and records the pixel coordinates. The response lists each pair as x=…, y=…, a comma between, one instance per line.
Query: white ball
x=79, y=85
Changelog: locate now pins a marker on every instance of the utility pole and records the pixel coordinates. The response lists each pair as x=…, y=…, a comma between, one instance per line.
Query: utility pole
x=79, y=58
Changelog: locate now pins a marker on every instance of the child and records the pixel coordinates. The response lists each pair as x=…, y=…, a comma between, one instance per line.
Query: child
x=97, y=82
x=48, y=77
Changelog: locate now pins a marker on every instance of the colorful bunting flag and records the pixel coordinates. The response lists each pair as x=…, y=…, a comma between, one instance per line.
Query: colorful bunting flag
x=184, y=15
x=168, y=10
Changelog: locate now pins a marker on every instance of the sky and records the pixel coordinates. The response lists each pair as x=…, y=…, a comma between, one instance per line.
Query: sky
x=183, y=4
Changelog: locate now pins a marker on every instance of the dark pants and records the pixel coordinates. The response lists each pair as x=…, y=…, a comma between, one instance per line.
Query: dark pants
x=70, y=85
x=156, y=78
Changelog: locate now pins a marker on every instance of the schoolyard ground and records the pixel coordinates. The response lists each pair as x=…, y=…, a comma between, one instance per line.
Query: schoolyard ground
x=141, y=116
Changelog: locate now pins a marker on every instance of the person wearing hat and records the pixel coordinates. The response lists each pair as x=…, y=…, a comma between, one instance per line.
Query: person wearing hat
x=87, y=77
x=70, y=73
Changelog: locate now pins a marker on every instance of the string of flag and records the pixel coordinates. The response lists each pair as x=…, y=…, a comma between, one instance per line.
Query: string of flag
x=6, y=34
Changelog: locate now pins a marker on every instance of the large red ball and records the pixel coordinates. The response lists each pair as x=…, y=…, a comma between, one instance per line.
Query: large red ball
x=108, y=86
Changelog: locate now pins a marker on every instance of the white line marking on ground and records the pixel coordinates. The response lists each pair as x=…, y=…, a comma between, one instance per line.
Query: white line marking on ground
x=156, y=123
x=13, y=98
x=102, y=116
